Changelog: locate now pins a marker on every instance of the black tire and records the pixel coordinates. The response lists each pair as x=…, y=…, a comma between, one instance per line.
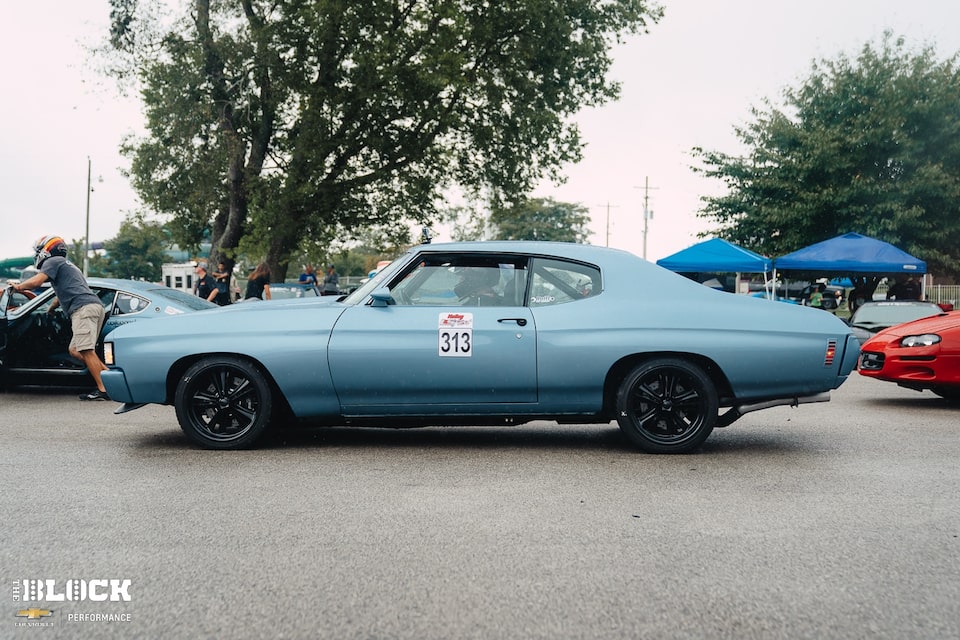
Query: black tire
x=223, y=403
x=947, y=393
x=667, y=406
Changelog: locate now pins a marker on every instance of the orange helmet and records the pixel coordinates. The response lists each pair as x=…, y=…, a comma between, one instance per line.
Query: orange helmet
x=46, y=247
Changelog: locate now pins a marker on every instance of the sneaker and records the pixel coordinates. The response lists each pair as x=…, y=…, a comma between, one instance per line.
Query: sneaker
x=96, y=394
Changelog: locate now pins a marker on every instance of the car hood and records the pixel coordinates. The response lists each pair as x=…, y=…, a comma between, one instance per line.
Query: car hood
x=305, y=300
x=261, y=317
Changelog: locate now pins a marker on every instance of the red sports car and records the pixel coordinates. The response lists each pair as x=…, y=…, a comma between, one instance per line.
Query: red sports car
x=923, y=354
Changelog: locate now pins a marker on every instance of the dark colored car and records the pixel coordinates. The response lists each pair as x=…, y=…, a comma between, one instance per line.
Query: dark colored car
x=33, y=342
x=832, y=296
x=923, y=354
x=873, y=317
x=799, y=293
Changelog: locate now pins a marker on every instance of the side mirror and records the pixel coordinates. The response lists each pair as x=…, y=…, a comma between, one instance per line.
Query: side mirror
x=382, y=298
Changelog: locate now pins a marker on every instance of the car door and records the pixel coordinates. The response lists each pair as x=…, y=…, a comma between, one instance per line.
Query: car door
x=450, y=335
x=36, y=340
x=6, y=304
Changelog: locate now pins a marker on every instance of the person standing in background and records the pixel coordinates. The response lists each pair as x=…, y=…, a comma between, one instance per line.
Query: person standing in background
x=258, y=283
x=222, y=276
x=308, y=276
x=206, y=284
x=331, y=282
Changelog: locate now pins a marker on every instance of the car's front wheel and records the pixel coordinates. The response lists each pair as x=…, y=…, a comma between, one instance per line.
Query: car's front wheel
x=667, y=406
x=223, y=403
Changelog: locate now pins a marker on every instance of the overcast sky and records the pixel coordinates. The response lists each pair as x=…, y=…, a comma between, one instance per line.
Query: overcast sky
x=688, y=83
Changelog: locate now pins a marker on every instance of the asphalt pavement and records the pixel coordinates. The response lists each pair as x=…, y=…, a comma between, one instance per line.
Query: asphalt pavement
x=835, y=520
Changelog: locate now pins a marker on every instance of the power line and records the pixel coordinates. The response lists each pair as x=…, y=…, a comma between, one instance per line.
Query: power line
x=608, y=206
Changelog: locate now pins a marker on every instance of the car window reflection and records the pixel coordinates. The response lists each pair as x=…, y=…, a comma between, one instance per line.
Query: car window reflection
x=463, y=281
x=559, y=282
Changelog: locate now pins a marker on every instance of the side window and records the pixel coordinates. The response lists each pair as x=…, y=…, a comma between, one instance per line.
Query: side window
x=462, y=281
x=128, y=303
x=559, y=282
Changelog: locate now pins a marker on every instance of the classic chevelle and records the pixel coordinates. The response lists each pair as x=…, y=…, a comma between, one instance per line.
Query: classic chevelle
x=487, y=333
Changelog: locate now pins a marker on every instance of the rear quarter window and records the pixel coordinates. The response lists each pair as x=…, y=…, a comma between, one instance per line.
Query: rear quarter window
x=559, y=282
x=183, y=299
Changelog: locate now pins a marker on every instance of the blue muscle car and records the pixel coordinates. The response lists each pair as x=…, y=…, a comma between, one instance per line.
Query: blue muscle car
x=487, y=333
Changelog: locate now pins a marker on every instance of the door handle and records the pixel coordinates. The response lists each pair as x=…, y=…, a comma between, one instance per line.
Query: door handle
x=520, y=321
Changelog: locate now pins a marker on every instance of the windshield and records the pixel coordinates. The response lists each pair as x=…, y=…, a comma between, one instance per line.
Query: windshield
x=364, y=290
x=15, y=303
x=890, y=315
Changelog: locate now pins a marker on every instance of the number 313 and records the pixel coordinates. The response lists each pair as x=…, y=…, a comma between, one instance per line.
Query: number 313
x=456, y=343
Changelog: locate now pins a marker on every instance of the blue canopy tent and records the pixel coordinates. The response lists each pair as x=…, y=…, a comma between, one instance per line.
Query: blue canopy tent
x=717, y=256
x=852, y=253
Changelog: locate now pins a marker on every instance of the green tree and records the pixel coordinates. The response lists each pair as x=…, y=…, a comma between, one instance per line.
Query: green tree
x=541, y=219
x=870, y=145
x=468, y=222
x=274, y=122
x=357, y=255
x=137, y=251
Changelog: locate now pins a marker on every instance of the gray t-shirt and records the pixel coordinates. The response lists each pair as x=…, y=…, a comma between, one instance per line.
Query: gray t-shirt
x=68, y=283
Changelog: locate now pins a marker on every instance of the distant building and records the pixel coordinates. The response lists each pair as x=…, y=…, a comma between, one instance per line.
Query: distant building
x=179, y=275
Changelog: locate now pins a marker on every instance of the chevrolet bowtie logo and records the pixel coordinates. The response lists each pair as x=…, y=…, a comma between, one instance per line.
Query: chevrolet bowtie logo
x=34, y=614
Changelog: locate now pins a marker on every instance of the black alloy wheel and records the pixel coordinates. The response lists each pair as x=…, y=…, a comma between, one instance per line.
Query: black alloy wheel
x=223, y=403
x=667, y=406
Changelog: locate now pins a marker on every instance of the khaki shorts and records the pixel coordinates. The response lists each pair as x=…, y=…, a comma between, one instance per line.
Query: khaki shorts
x=86, y=323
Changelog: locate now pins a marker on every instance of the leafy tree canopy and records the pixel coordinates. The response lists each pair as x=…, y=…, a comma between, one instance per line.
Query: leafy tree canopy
x=275, y=124
x=533, y=219
x=870, y=145
x=357, y=255
x=541, y=219
x=136, y=252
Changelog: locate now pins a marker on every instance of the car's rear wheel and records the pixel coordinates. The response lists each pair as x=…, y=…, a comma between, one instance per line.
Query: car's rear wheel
x=223, y=403
x=667, y=406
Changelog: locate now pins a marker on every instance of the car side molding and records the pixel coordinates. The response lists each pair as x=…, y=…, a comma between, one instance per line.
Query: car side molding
x=735, y=413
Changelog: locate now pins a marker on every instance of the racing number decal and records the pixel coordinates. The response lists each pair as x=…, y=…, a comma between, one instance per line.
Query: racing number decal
x=456, y=335
x=455, y=342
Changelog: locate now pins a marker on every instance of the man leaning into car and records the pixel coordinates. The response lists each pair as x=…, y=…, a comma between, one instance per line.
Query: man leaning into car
x=79, y=302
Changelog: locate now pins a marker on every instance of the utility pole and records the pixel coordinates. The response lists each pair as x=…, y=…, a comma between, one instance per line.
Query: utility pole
x=608, y=205
x=86, y=237
x=647, y=212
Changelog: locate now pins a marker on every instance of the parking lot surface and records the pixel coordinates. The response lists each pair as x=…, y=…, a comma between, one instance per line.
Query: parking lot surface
x=837, y=520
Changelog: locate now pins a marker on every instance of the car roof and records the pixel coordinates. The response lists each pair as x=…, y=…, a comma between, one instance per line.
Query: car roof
x=128, y=285
x=560, y=249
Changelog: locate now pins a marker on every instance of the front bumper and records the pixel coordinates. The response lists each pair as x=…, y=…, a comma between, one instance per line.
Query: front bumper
x=115, y=382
